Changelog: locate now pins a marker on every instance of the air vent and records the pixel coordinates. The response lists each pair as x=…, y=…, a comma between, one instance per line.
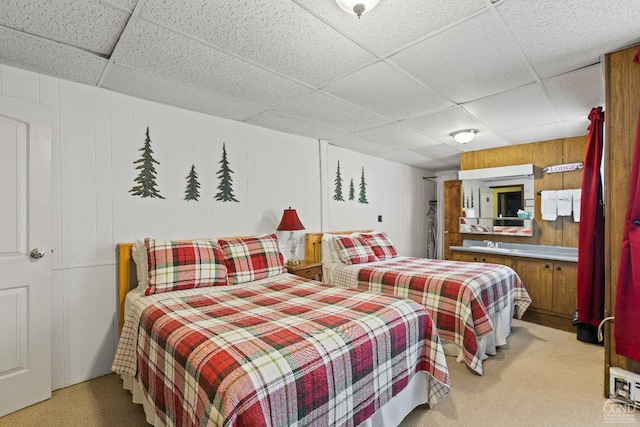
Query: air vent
x=624, y=386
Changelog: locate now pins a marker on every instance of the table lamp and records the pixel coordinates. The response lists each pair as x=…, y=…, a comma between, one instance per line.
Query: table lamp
x=291, y=222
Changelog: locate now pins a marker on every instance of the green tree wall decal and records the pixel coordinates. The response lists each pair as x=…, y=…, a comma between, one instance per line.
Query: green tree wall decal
x=226, y=182
x=363, y=190
x=337, y=195
x=352, y=191
x=193, y=186
x=146, y=179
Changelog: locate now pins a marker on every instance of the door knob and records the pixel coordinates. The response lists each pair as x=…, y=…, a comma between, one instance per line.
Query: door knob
x=37, y=253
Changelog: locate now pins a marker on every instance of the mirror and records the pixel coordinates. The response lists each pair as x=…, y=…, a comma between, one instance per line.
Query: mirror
x=499, y=206
x=507, y=202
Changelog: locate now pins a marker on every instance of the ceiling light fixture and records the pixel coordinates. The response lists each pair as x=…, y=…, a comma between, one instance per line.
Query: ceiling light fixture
x=464, y=136
x=357, y=7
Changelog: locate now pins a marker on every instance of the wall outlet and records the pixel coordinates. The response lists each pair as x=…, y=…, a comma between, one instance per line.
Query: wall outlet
x=624, y=386
x=379, y=218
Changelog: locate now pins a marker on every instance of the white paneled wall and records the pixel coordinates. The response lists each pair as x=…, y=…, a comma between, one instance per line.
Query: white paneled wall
x=393, y=190
x=97, y=135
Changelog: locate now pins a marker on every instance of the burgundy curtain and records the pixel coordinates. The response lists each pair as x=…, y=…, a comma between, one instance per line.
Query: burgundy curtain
x=591, y=231
x=628, y=287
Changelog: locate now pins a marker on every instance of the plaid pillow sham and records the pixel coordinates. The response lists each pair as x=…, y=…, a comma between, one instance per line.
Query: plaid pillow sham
x=252, y=258
x=353, y=251
x=175, y=265
x=382, y=247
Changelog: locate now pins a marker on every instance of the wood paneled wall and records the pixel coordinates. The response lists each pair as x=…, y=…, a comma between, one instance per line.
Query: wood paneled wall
x=621, y=120
x=563, y=231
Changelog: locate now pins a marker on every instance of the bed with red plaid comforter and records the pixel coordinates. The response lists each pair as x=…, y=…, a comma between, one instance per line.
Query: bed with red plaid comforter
x=461, y=297
x=282, y=353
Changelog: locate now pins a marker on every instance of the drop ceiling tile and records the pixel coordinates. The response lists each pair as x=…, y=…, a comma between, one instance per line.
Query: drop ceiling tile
x=451, y=163
x=439, y=151
x=381, y=88
x=361, y=145
x=398, y=136
x=155, y=88
x=469, y=61
x=325, y=109
x=278, y=34
x=154, y=49
x=577, y=127
x=533, y=134
x=405, y=157
x=286, y=123
x=90, y=25
x=560, y=36
x=124, y=4
x=518, y=108
x=440, y=125
x=393, y=24
x=574, y=94
x=35, y=54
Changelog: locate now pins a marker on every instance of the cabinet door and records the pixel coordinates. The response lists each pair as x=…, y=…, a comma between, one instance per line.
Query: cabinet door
x=537, y=277
x=565, y=284
x=481, y=257
x=495, y=259
x=452, y=214
x=465, y=256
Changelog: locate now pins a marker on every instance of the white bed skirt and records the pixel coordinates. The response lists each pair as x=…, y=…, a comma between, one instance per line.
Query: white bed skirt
x=391, y=414
x=489, y=343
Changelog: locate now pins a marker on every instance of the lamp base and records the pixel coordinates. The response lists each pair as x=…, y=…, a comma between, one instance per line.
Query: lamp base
x=293, y=259
x=293, y=262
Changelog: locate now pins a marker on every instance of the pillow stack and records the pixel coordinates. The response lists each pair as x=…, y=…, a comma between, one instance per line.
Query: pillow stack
x=171, y=265
x=359, y=248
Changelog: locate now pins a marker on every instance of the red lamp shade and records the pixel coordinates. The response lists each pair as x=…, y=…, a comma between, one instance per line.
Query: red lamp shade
x=290, y=221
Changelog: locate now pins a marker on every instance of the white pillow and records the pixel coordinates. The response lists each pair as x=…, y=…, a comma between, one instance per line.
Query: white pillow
x=139, y=255
x=334, y=250
x=326, y=249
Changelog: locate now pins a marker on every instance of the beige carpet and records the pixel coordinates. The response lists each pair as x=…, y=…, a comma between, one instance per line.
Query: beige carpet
x=544, y=377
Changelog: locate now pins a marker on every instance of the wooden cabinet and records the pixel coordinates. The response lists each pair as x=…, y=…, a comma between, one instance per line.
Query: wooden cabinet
x=552, y=286
x=452, y=213
x=537, y=277
x=481, y=257
x=309, y=270
x=565, y=288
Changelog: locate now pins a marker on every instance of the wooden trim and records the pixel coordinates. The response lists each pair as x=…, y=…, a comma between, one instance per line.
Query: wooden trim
x=125, y=268
x=313, y=245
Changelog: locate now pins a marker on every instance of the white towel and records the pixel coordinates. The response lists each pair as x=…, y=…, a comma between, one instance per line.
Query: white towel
x=576, y=196
x=549, y=205
x=564, y=202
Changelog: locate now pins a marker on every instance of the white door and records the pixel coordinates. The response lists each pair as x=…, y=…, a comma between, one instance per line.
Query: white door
x=25, y=253
x=486, y=206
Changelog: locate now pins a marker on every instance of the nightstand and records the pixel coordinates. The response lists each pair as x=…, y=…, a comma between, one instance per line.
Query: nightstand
x=309, y=270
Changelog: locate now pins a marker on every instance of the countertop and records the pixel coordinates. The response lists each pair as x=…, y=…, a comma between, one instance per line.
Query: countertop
x=556, y=253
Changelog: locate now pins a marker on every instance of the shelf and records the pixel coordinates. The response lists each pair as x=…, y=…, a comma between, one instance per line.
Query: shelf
x=510, y=226
x=497, y=218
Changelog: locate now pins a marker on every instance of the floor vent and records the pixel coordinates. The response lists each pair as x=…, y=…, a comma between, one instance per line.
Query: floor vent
x=624, y=386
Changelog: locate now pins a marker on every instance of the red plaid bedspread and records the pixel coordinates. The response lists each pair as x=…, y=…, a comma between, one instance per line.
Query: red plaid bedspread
x=283, y=353
x=460, y=296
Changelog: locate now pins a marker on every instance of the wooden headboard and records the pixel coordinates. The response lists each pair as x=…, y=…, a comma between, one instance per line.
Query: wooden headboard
x=312, y=246
x=126, y=277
